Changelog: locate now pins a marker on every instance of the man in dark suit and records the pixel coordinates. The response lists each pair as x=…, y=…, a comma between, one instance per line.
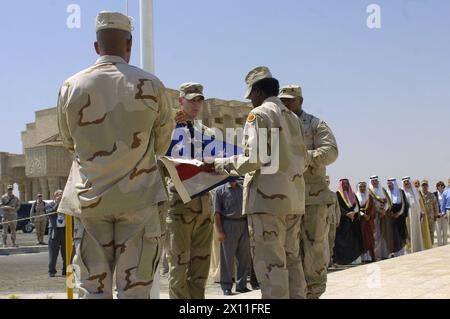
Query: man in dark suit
x=56, y=235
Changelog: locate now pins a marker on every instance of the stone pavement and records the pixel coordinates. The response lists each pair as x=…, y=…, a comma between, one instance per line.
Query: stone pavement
x=424, y=275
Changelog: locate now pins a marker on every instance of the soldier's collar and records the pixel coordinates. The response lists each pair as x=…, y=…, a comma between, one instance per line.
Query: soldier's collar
x=274, y=99
x=110, y=59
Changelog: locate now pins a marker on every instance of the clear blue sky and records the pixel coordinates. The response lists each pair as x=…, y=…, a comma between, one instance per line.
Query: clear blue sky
x=384, y=92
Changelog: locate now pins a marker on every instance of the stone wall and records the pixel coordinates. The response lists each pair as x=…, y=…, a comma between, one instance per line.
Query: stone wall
x=46, y=125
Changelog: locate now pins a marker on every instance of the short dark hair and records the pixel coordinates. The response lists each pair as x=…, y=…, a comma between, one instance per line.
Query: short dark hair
x=440, y=183
x=270, y=86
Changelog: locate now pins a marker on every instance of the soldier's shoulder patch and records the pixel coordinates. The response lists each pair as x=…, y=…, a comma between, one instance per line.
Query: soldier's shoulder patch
x=251, y=118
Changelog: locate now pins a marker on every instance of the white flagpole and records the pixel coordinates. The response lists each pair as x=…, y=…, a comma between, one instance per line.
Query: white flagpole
x=148, y=64
x=147, y=44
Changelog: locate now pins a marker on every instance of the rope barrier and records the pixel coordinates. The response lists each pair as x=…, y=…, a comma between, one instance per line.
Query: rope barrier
x=21, y=219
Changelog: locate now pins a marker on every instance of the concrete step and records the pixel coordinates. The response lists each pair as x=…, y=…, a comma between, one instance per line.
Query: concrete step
x=23, y=250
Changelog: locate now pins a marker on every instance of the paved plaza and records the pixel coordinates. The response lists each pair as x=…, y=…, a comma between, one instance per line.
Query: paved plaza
x=422, y=275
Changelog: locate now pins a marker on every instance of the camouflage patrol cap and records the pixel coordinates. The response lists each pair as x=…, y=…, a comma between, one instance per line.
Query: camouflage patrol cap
x=191, y=90
x=425, y=182
x=10, y=187
x=113, y=20
x=290, y=92
x=255, y=75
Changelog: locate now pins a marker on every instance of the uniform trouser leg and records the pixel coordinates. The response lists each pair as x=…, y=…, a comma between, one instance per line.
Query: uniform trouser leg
x=243, y=256
x=62, y=247
x=40, y=229
x=137, y=261
x=297, y=280
x=128, y=243
x=9, y=217
x=162, y=210
x=164, y=255
x=236, y=245
x=37, y=227
x=253, y=279
x=313, y=247
x=227, y=253
x=179, y=255
x=331, y=238
x=214, y=269
x=432, y=227
x=200, y=260
x=274, y=243
x=53, y=250
x=4, y=231
x=165, y=262
x=165, y=248
x=58, y=246
x=439, y=232
x=13, y=226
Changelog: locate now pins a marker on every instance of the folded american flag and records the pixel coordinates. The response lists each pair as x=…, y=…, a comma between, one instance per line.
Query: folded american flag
x=191, y=144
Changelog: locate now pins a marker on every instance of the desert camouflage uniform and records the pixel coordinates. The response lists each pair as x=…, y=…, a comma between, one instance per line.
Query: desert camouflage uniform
x=333, y=218
x=190, y=233
x=116, y=119
x=432, y=210
x=322, y=151
x=40, y=222
x=163, y=208
x=10, y=206
x=273, y=200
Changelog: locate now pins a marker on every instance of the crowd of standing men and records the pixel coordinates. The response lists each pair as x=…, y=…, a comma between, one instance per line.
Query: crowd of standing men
x=379, y=223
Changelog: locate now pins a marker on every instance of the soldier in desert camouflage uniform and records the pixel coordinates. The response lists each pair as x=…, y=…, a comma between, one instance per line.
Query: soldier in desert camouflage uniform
x=116, y=119
x=10, y=204
x=39, y=221
x=322, y=151
x=273, y=190
x=432, y=208
x=333, y=219
x=190, y=225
